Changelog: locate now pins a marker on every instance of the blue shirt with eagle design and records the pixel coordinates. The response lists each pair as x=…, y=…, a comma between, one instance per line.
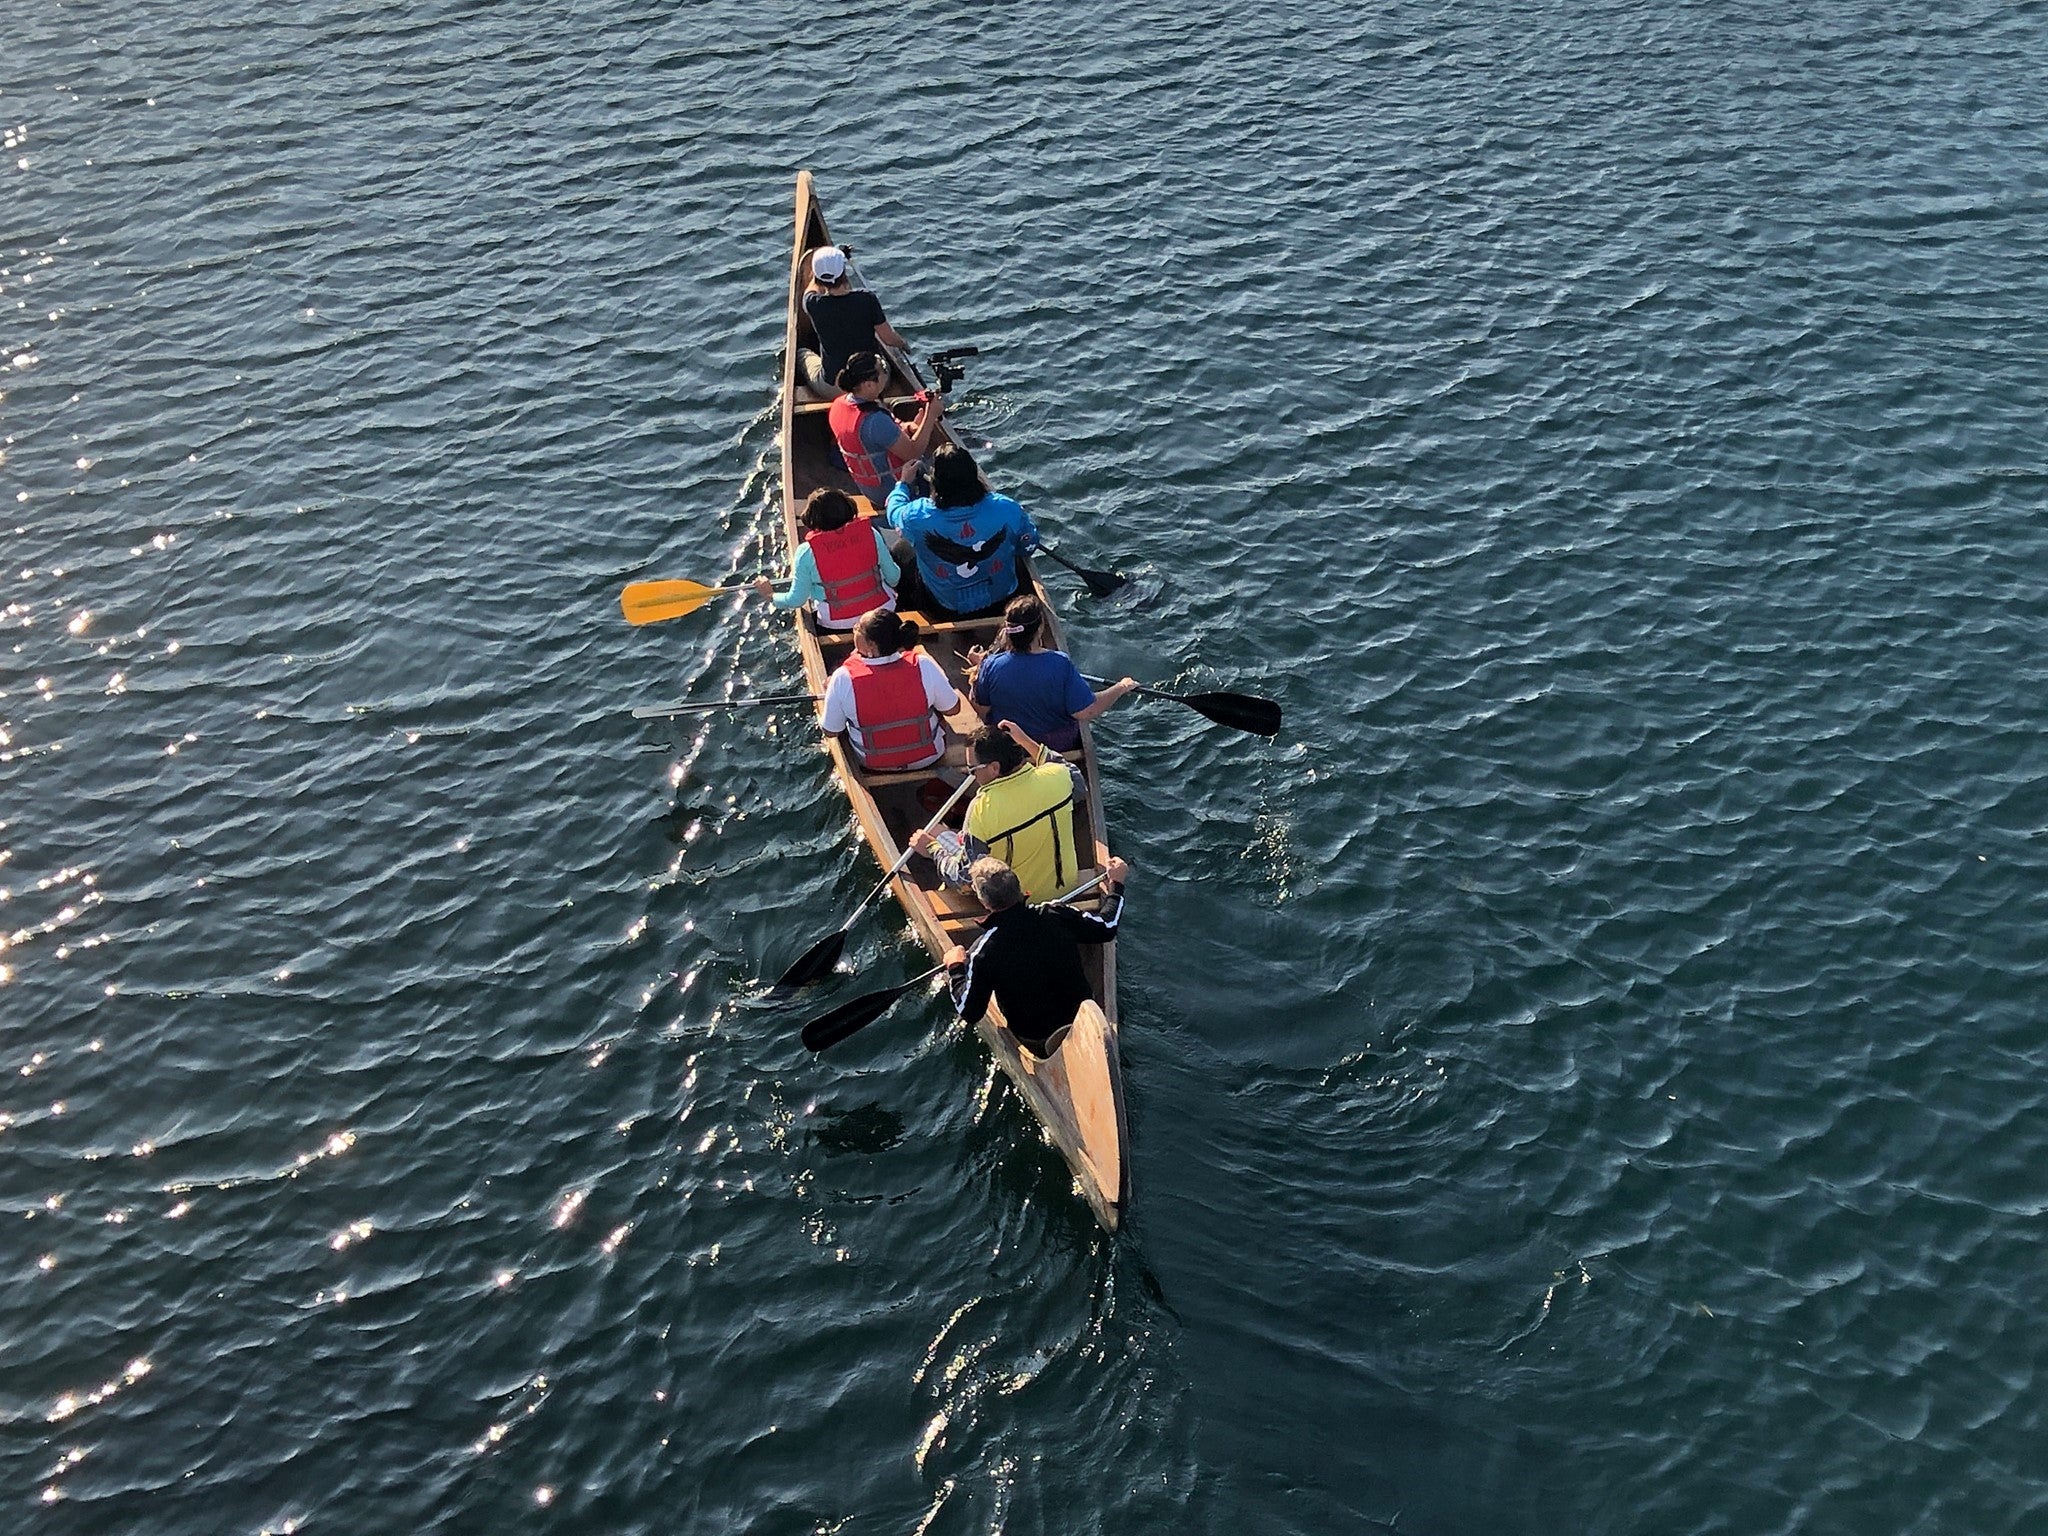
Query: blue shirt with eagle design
x=966, y=555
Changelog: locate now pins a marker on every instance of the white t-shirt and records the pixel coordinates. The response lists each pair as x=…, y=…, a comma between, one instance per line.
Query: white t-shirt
x=839, y=699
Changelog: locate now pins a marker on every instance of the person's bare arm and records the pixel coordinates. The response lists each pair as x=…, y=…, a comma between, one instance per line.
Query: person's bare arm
x=966, y=719
x=1107, y=699
x=1019, y=735
x=917, y=440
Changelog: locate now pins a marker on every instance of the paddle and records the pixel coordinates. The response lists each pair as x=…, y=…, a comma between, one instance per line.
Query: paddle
x=663, y=711
x=1100, y=583
x=1240, y=711
x=816, y=963
x=650, y=602
x=828, y=1029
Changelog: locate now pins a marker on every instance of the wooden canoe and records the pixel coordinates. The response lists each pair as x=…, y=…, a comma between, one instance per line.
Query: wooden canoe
x=1077, y=1093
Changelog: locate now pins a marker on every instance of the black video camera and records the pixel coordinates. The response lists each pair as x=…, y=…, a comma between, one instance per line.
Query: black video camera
x=945, y=366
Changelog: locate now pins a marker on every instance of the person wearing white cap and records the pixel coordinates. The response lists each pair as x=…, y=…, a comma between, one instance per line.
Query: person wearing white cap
x=844, y=320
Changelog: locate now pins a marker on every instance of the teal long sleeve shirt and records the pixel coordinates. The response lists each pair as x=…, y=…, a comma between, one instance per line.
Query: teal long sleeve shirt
x=805, y=587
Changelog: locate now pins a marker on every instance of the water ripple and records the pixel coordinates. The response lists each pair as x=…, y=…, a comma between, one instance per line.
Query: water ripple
x=1612, y=434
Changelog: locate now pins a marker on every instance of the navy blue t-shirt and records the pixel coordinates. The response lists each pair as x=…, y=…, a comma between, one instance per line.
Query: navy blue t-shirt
x=1039, y=690
x=845, y=323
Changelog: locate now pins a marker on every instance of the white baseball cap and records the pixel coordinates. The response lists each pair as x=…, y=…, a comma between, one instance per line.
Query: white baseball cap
x=828, y=265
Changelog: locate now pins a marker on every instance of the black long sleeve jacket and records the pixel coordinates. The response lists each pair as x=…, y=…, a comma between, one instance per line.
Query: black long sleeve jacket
x=1029, y=960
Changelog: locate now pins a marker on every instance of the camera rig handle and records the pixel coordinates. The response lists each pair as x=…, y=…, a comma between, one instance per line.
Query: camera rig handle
x=945, y=365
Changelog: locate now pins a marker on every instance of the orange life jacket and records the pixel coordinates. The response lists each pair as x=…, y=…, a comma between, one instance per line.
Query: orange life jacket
x=897, y=726
x=871, y=471
x=848, y=570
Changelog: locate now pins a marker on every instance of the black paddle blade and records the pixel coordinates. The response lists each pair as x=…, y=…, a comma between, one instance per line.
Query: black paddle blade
x=1239, y=711
x=815, y=963
x=828, y=1029
x=1099, y=583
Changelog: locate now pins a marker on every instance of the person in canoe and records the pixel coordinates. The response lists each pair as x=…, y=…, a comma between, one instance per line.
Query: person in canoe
x=965, y=537
x=1022, y=813
x=844, y=568
x=1022, y=678
x=874, y=444
x=844, y=319
x=1028, y=958
x=889, y=698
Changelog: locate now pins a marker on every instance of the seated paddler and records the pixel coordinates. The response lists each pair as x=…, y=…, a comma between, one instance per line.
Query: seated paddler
x=874, y=444
x=844, y=568
x=966, y=538
x=1028, y=958
x=1023, y=812
x=1022, y=678
x=890, y=699
x=844, y=319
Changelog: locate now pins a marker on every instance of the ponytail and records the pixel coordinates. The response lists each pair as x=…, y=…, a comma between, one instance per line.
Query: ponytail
x=861, y=368
x=887, y=631
x=1023, y=622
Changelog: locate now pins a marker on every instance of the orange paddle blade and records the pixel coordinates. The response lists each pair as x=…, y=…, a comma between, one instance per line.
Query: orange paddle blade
x=650, y=602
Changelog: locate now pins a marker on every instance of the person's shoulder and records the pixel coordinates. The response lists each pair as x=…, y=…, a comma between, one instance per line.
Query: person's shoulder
x=1045, y=663
x=994, y=510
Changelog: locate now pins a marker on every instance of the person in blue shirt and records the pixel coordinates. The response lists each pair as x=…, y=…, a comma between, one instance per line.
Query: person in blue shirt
x=966, y=537
x=1023, y=679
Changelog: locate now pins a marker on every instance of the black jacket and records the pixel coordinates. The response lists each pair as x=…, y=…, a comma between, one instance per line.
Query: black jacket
x=1029, y=960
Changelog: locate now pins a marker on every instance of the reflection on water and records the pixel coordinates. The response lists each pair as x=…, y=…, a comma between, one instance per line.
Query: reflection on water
x=867, y=1129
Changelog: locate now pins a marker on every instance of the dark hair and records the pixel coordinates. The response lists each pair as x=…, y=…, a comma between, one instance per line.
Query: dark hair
x=956, y=478
x=993, y=745
x=861, y=368
x=1025, y=614
x=826, y=509
x=887, y=631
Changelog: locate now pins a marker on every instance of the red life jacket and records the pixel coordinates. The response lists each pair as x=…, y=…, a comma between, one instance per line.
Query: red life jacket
x=897, y=726
x=872, y=472
x=848, y=569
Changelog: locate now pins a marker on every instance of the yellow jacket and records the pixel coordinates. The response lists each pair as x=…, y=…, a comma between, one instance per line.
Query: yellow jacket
x=1027, y=820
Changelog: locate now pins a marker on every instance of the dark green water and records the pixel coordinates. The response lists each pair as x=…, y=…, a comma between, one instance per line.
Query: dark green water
x=1586, y=1076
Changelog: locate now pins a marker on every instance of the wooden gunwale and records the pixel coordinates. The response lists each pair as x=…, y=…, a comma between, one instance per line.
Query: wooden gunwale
x=1092, y=1137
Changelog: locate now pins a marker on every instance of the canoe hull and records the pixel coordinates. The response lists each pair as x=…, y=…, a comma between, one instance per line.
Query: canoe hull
x=1077, y=1094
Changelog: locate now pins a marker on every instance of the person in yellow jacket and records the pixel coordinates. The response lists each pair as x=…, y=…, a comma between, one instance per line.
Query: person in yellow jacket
x=1023, y=812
